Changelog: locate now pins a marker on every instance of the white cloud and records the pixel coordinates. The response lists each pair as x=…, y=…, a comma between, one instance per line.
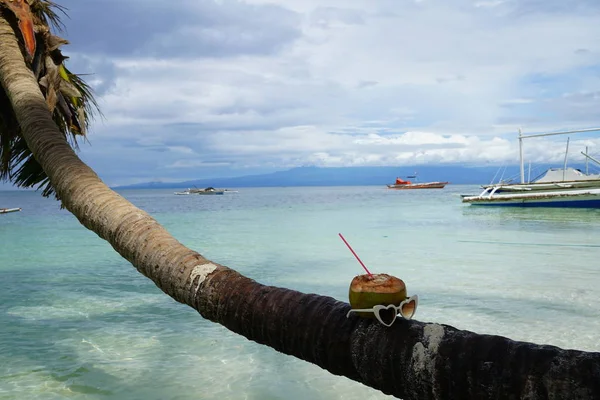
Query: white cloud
x=492, y=3
x=371, y=82
x=180, y=149
x=196, y=164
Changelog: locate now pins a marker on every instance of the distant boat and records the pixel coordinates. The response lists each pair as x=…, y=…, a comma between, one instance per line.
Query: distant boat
x=8, y=210
x=206, y=191
x=556, y=187
x=402, y=184
x=209, y=191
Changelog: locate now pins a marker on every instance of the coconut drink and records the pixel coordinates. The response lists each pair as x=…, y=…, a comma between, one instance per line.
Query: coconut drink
x=379, y=296
x=369, y=290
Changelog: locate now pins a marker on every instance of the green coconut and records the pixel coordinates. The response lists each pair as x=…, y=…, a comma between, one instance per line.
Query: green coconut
x=367, y=291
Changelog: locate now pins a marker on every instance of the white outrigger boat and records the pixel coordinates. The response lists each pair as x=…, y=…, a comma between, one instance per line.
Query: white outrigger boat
x=8, y=210
x=206, y=191
x=557, y=187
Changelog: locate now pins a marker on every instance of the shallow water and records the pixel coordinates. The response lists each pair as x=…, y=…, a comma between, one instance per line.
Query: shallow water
x=78, y=322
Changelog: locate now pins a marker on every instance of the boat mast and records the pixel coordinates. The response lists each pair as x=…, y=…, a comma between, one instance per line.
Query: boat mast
x=566, y=154
x=586, y=161
x=521, y=155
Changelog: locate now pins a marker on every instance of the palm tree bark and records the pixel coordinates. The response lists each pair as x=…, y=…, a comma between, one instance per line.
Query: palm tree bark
x=410, y=360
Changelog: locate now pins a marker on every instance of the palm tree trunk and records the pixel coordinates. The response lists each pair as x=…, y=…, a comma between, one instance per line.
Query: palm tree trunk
x=411, y=360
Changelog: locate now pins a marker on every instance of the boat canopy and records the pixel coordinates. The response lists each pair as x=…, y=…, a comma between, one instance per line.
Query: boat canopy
x=400, y=181
x=562, y=175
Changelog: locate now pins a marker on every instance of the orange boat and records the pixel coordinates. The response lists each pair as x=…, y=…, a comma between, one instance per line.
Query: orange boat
x=402, y=184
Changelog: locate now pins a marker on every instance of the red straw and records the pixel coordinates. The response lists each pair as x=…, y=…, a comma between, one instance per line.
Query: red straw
x=361, y=263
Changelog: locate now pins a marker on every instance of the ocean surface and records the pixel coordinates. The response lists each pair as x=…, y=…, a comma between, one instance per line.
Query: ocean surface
x=79, y=322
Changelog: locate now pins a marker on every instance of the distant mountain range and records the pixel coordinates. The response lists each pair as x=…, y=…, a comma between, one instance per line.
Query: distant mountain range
x=353, y=176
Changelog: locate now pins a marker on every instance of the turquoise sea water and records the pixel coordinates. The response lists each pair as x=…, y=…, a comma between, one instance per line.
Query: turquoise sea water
x=79, y=322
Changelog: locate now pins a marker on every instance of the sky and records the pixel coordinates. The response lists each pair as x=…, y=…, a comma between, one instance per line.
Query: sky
x=191, y=89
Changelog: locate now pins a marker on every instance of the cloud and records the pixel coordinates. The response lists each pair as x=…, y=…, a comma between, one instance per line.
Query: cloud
x=558, y=7
x=196, y=164
x=490, y=3
x=182, y=29
x=228, y=86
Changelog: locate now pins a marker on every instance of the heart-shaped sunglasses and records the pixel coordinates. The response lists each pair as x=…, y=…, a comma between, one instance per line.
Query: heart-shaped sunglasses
x=387, y=314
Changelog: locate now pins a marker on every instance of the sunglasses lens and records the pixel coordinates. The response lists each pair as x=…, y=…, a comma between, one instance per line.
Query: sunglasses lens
x=387, y=315
x=408, y=309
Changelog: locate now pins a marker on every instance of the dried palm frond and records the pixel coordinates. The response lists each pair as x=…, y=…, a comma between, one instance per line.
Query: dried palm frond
x=69, y=98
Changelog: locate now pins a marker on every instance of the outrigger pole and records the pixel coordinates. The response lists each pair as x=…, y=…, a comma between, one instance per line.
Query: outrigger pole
x=521, y=137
